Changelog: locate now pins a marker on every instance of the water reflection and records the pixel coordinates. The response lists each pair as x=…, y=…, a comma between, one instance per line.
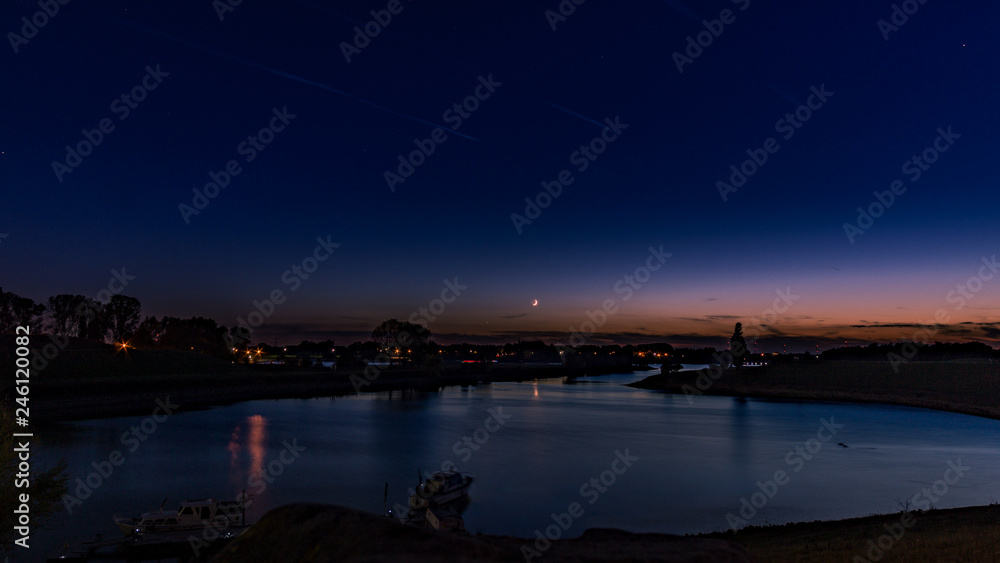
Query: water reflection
x=741, y=432
x=696, y=459
x=255, y=446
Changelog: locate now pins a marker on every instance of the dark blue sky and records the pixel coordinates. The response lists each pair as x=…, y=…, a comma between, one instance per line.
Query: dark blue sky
x=655, y=185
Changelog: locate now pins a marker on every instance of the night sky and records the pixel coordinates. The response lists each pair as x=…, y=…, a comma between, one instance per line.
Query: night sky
x=841, y=105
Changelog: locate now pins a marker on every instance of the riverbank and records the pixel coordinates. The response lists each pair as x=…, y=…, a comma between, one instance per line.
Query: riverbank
x=63, y=399
x=967, y=387
x=954, y=534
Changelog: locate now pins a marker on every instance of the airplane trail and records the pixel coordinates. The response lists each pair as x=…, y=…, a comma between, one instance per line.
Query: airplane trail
x=289, y=76
x=574, y=114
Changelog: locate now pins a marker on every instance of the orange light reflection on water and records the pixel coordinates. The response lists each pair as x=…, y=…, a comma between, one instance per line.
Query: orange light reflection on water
x=255, y=443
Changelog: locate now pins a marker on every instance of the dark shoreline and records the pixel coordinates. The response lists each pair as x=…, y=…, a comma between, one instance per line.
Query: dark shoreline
x=64, y=400
x=971, y=388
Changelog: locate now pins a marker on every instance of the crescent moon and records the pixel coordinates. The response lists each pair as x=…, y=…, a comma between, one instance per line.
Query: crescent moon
x=534, y=303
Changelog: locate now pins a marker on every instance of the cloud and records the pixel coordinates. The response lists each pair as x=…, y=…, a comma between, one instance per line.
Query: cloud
x=991, y=331
x=893, y=325
x=693, y=319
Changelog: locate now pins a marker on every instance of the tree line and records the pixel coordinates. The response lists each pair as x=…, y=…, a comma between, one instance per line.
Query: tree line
x=118, y=320
x=73, y=315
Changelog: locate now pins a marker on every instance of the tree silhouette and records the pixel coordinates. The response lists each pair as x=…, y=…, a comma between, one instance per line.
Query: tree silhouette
x=91, y=320
x=63, y=313
x=123, y=314
x=18, y=311
x=401, y=339
x=738, y=346
x=147, y=334
x=197, y=334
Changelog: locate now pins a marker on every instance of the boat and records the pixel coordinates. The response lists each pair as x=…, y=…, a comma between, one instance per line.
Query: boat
x=440, y=488
x=192, y=515
x=445, y=518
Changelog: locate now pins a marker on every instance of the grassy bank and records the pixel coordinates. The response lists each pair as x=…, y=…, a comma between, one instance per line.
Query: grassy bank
x=971, y=387
x=956, y=534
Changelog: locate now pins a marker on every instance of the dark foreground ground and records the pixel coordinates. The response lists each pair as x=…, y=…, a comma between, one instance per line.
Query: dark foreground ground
x=956, y=534
x=320, y=533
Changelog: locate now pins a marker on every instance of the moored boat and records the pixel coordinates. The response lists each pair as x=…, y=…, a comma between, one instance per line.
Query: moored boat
x=440, y=488
x=192, y=515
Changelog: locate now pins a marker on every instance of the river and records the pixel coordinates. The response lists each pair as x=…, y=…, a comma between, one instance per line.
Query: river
x=634, y=459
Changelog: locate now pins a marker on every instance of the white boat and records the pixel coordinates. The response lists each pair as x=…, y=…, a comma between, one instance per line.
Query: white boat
x=192, y=515
x=440, y=488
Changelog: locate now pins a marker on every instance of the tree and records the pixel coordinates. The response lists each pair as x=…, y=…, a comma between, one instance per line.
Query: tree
x=6, y=311
x=63, y=313
x=18, y=311
x=147, y=334
x=91, y=320
x=197, y=334
x=401, y=339
x=123, y=313
x=738, y=346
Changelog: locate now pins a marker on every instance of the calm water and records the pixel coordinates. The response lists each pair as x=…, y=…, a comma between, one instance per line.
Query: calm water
x=695, y=461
